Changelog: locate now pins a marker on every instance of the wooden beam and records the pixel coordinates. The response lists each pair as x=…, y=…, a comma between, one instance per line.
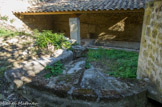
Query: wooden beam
x=78, y=12
x=75, y=15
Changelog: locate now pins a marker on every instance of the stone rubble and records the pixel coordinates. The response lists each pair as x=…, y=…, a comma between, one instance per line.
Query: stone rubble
x=77, y=85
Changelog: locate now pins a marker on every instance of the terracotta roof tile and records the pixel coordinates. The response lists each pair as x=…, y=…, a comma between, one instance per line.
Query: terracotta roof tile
x=85, y=5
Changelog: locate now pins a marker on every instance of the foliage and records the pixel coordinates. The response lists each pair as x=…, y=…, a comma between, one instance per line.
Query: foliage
x=123, y=63
x=87, y=65
x=4, y=18
x=54, y=70
x=12, y=20
x=75, y=44
x=5, y=32
x=9, y=33
x=55, y=39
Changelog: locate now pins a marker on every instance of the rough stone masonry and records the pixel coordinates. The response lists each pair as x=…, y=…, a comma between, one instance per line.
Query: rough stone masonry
x=150, y=58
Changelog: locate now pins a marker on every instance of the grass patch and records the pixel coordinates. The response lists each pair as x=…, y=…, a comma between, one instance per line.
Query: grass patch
x=54, y=70
x=121, y=63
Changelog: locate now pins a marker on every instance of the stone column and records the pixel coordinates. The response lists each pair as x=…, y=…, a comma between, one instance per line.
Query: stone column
x=74, y=24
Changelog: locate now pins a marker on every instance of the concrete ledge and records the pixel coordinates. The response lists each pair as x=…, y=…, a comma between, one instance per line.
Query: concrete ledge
x=119, y=44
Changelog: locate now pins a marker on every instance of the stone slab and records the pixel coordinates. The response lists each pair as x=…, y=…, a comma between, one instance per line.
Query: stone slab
x=74, y=24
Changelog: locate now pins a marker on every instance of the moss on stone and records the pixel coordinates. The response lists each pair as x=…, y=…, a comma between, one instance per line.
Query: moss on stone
x=154, y=32
x=155, y=50
x=149, y=47
x=159, y=17
x=159, y=36
x=161, y=53
x=145, y=53
x=152, y=22
x=148, y=31
x=152, y=16
x=152, y=57
x=150, y=64
x=148, y=11
x=148, y=18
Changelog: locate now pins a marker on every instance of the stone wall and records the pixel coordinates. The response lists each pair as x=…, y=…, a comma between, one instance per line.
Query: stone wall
x=112, y=26
x=118, y=26
x=150, y=58
x=40, y=22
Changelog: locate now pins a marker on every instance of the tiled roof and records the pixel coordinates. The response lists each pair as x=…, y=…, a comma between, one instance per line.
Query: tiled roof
x=85, y=5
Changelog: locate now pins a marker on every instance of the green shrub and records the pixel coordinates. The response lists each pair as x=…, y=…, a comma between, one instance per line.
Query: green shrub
x=55, y=39
x=54, y=70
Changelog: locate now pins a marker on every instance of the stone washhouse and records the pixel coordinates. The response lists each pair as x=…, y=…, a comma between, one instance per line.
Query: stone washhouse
x=112, y=23
x=134, y=24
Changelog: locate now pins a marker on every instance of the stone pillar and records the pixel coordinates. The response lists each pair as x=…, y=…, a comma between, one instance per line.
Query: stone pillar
x=74, y=24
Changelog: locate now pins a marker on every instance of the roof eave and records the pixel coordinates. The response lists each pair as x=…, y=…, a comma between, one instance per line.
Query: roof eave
x=78, y=12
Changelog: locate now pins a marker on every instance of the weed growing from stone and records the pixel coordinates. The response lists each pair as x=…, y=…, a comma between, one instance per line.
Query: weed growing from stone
x=121, y=63
x=87, y=65
x=54, y=70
